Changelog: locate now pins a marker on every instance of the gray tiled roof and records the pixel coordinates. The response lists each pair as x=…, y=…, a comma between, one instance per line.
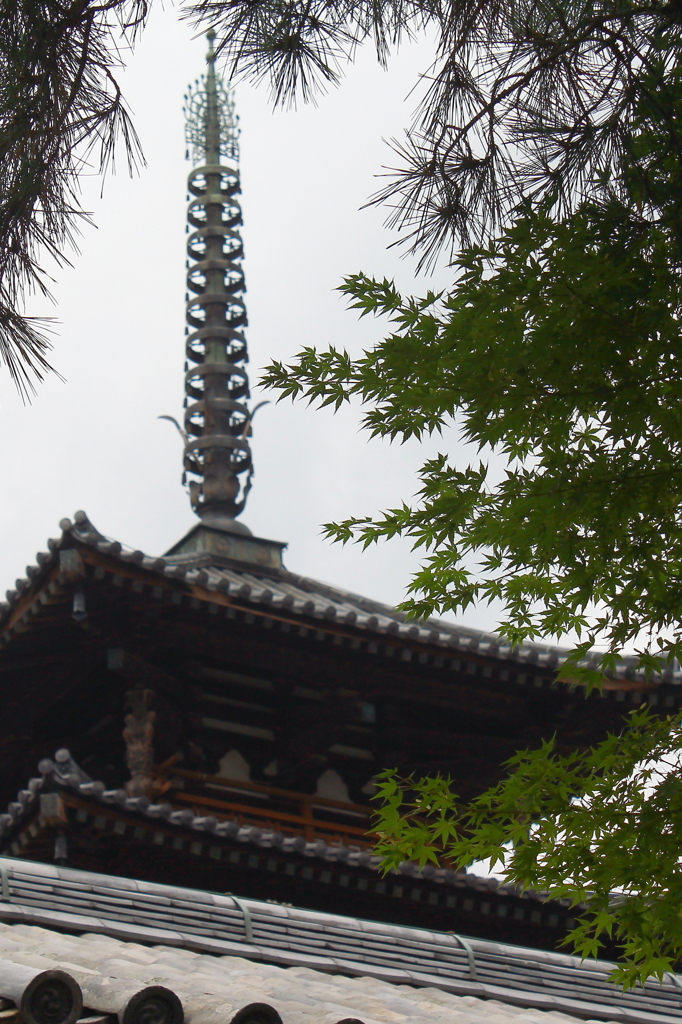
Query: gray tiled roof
x=64, y=772
x=308, y=965
x=287, y=592
x=214, y=988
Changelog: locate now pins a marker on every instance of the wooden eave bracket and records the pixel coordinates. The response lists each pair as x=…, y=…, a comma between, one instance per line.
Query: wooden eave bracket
x=51, y=591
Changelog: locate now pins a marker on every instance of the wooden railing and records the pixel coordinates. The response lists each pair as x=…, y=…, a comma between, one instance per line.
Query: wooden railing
x=306, y=814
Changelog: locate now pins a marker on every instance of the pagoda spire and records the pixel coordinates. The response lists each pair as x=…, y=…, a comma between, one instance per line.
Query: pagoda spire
x=217, y=457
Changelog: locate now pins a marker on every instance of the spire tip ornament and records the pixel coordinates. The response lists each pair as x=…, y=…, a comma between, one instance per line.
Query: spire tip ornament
x=217, y=425
x=217, y=461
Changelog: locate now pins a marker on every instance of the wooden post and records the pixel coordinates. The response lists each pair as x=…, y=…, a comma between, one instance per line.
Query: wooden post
x=138, y=735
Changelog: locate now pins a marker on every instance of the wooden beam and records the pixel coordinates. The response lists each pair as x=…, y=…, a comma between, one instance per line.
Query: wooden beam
x=257, y=787
x=265, y=814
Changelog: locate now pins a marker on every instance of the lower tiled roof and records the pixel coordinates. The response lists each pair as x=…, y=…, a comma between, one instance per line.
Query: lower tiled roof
x=65, y=775
x=419, y=974
x=215, y=989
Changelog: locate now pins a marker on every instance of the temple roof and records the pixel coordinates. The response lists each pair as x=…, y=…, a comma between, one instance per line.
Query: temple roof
x=220, y=953
x=63, y=775
x=298, y=680
x=277, y=592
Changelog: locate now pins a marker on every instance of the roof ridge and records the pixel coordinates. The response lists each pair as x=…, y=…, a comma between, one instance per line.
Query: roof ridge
x=367, y=614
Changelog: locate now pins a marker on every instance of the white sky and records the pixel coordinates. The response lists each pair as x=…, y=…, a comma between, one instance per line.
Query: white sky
x=94, y=441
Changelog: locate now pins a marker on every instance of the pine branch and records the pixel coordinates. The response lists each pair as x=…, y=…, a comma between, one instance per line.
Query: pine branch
x=527, y=101
x=59, y=106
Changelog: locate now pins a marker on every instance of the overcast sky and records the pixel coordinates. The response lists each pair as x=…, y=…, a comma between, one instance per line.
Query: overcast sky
x=94, y=441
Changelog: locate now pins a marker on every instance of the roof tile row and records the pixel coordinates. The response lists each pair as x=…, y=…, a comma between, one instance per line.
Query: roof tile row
x=300, y=596
x=267, y=933
x=63, y=771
